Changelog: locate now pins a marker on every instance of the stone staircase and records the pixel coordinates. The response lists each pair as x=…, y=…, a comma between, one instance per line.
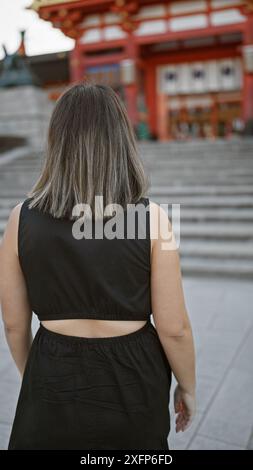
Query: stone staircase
x=212, y=182
x=16, y=178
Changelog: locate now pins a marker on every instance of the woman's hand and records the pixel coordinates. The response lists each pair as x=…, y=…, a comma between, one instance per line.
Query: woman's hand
x=185, y=408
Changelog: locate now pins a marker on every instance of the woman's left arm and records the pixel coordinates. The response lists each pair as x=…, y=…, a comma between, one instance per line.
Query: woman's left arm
x=16, y=310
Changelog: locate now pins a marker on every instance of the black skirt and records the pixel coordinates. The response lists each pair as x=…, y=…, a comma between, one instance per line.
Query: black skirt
x=94, y=393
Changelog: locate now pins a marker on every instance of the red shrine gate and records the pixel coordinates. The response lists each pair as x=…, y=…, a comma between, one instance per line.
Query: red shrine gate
x=184, y=66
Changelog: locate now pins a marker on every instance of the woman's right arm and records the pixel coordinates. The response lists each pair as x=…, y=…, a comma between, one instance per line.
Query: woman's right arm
x=170, y=315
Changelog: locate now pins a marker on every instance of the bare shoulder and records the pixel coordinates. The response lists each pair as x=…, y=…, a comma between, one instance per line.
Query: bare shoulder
x=14, y=215
x=158, y=210
x=159, y=216
x=160, y=225
x=11, y=229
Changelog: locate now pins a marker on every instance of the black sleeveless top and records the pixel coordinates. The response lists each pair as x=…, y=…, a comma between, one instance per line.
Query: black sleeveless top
x=85, y=278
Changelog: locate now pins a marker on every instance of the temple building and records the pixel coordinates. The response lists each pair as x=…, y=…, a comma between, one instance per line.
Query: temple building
x=183, y=68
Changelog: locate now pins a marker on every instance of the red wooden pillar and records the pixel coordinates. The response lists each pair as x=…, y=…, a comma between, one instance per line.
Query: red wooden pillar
x=131, y=89
x=248, y=97
x=162, y=117
x=150, y=92
x=76, y=64
x=248, y=71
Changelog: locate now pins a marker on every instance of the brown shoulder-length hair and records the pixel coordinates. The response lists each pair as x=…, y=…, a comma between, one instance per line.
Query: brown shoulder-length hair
x=91, y=151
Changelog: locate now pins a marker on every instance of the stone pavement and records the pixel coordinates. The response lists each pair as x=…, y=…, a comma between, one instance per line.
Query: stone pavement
x=222, y=320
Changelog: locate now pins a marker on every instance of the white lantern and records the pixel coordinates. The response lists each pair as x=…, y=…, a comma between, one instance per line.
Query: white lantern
x=127, y=71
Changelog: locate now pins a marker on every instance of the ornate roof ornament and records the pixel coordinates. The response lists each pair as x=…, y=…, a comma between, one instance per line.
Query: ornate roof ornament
x=249, y=4
x=37, y=4
x=126, y=8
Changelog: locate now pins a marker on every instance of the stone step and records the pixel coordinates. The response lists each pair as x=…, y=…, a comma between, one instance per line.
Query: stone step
x=159, y=165
x=4, y=213
x=176, y=188
x=184, y=153
x=222, y=250
x=204, y=201
x=190, y=182
x=200, y=173
x=217, y=159
x=34, y=160
x=213, y=210
x=176, y=165
x=189, y=215
x=201, y=156
x=21, y=164
x=180, y=181
x=186, y=204
x=241, y=146
x=172, y=155
x=220, y=162
x=217, y=231
x=208, y=214
x=18, y=154
x=217, y=268
x=200, y=190
x=200, y=168
x=182, y=167
x=9, y=203
x=15, y=174
x=170, y=163
x=186, y=214
x=196, y=146
x=198, y=177
x=17, y=195
x=189, y=148
x=207, y=231
x=156, y=191
x=22, y=185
